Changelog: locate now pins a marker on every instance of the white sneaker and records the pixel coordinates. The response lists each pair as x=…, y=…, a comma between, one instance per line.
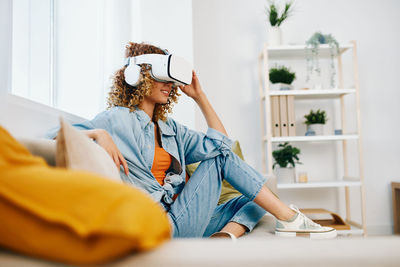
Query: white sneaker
x=303, y=226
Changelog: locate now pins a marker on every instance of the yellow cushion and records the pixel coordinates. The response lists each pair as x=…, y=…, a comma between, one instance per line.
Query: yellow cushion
x=71, y=216
x=227, y=190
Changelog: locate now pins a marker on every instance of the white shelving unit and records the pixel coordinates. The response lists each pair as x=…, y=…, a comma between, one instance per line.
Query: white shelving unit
x=323, y=184
x=315, y=138
x=299, y=52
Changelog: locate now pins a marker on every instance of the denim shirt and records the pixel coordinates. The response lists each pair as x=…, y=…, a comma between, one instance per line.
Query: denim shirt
x=133, y=133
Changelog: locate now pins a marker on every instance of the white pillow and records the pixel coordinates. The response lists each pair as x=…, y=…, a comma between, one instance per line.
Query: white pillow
x=77, y=151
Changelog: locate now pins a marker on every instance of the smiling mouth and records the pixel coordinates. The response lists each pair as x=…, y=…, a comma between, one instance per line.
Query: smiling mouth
x=165, y=92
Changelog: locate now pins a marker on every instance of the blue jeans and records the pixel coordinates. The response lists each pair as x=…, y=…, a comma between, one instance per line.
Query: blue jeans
x=196, y=213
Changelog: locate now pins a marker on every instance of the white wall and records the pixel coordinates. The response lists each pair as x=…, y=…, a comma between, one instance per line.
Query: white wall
x=168, y=24
x=228, y=36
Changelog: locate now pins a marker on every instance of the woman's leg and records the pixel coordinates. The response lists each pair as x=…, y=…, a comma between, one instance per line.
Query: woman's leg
x=237, y=216
x=267, y=201
x=290, y=220
x=239, y=174
x=234, y=228
x=193, y=208
x=273, y=205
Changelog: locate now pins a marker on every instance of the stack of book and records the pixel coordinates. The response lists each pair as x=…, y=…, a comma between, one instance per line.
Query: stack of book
x=283, y=116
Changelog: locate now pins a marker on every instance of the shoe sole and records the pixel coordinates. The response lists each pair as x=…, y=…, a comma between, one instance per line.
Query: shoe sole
x=311, y=235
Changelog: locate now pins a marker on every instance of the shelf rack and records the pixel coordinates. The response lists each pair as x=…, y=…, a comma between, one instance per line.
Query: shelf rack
x=298, y=52
x=314, y=138
x=319, y=184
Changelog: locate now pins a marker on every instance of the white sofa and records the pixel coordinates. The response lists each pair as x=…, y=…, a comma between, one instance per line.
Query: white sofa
x=259, y=248
x=265, y=251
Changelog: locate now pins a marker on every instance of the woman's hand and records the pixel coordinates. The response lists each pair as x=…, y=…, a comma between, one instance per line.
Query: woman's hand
x=193, y=90
x=103, y=138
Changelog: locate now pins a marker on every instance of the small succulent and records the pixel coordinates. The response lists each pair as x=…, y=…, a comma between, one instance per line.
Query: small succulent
x=281, y=75
x=286, y=155
x=273, y=13
x=315, y=117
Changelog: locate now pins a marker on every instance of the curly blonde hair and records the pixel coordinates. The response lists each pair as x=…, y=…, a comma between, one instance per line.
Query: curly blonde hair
x=124, y=95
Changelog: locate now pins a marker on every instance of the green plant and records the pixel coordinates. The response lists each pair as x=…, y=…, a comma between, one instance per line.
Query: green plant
x=286, y=155
x=312, y=54
x=315, y=117
x=281, y=75
x=273, y=13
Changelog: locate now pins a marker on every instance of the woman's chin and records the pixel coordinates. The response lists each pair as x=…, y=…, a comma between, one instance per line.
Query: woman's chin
x=162, y=101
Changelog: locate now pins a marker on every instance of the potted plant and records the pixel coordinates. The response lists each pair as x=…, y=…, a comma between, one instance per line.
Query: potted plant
x=285, y=162
x=312, y=55
x=315, y=122
x=281, y=78
x=275, y=20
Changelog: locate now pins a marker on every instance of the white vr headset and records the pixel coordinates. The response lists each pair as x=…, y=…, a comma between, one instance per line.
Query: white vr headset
x=164, y=68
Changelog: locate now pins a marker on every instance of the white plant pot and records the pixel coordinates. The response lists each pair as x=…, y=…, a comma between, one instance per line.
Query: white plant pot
x=280, y=86
x=275, y=36
x=285, y=175
x=318, y=128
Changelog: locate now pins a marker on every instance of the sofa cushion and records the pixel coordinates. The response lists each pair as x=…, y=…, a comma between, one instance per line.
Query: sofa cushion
x=71, y=216
x=228, y=191
x=78, y=152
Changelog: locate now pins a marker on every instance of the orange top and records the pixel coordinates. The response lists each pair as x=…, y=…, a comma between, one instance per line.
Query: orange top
x=162, y=161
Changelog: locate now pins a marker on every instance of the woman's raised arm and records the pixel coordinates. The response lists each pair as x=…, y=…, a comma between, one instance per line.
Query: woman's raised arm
x=194, y=91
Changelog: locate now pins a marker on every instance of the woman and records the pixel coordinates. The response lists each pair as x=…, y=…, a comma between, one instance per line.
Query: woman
x=154, y=149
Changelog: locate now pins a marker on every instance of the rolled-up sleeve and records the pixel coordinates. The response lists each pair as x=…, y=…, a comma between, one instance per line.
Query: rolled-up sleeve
x=199, y=146
x=221, y=142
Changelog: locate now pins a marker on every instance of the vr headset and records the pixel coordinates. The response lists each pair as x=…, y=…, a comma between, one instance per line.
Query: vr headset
x=164, y=68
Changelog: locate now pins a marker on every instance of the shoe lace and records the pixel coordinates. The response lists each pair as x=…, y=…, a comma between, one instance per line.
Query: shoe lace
x=307, y=221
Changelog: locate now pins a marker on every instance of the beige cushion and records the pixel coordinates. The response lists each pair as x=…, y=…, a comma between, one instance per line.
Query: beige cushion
x=77, y=151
